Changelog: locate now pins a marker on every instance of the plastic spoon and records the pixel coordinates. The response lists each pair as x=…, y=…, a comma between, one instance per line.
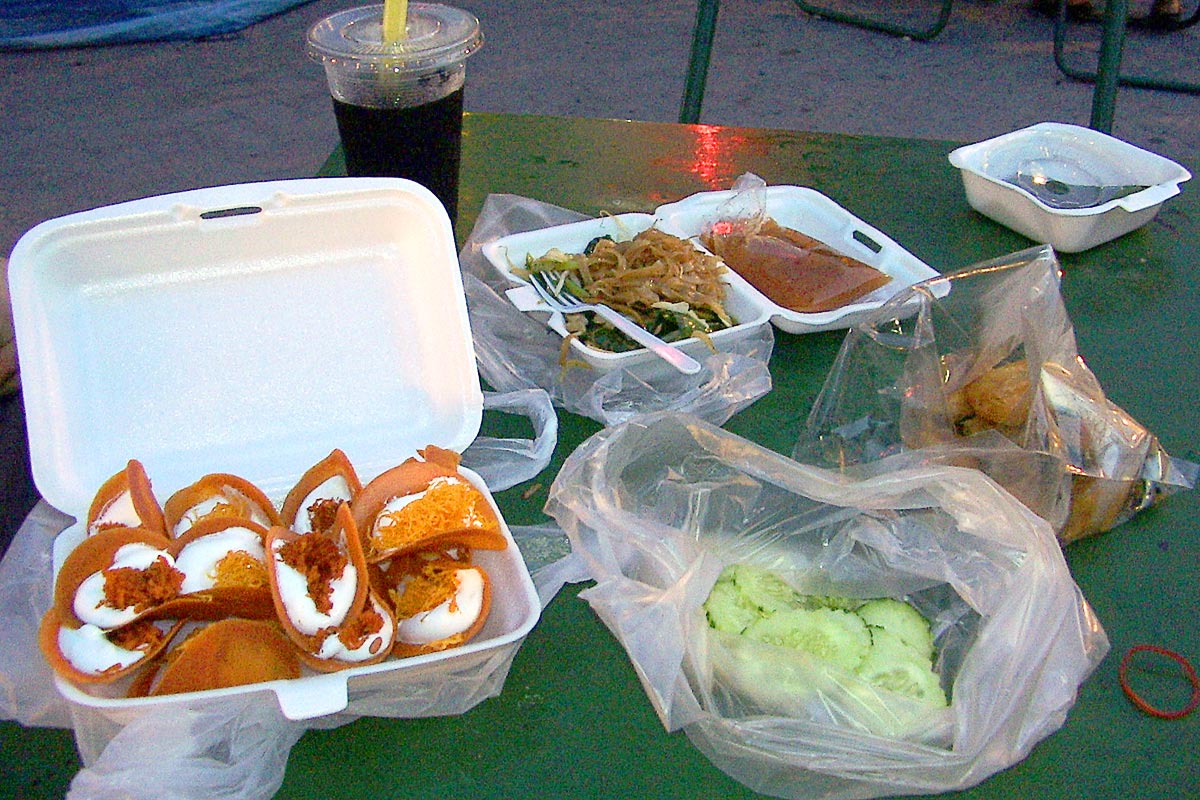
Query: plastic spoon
x=1080, y=189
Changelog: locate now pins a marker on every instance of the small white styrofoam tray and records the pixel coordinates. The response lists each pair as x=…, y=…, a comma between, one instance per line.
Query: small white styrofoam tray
x=987, y=168
x=796, y=207
x=510, y=251
x=813, y=214
x=251, y=329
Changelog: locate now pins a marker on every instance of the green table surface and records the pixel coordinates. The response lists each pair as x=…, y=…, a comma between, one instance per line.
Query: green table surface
x=572, y=720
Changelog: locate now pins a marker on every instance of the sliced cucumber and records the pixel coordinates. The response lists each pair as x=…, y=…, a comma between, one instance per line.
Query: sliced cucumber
x=763, y=588
x=728, y=609
x=838, y=637
x=900, y=620
x=893, y=665
x=885, y=642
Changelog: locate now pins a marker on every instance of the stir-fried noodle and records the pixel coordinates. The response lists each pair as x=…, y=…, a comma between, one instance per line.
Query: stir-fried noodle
x=660, y=281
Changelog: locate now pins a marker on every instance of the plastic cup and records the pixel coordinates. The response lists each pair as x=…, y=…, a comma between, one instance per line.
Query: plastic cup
x=399, y=105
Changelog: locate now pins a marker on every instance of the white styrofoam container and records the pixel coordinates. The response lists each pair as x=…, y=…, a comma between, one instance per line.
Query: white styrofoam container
x=742, y=301
x=987, y=168
x=251, y=329
x=796, y=207
x=813, y=214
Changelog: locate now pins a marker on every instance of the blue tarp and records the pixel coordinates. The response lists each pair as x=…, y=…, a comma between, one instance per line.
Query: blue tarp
x=26, y=24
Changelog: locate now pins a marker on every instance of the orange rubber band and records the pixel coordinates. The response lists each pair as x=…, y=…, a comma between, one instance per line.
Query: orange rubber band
x=1139, y=701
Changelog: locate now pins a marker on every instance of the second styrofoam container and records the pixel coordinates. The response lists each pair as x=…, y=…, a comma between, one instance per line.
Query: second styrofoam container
x=988, y=168
x=251, y=329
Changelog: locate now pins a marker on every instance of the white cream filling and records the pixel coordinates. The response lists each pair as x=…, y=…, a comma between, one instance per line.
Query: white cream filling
x=334, y=487
x=118, y=512
x=90, y=605
x=199, y=558
x=88, y=650
x=454, y=616
x=333, y=647
x=301, y=610
x=228, y=495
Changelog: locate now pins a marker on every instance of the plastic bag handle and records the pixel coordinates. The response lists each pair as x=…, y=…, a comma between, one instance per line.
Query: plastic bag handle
x=506, y=462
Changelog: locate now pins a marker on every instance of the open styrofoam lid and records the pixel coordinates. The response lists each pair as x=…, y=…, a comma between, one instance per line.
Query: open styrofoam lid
x=246, y=329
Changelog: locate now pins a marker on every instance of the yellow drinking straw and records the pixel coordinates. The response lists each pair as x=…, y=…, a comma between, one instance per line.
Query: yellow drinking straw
x=395, y=21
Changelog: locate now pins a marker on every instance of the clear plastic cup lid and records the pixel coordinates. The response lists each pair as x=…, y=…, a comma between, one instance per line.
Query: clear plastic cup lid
x=436, y=36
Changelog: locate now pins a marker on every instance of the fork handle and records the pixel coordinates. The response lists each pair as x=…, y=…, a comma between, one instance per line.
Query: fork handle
x=673, y=356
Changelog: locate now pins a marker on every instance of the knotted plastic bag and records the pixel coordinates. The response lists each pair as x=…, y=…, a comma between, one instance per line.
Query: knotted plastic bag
x=234, y=747
x=516, y=350
x=657, y=507
x=979, y=368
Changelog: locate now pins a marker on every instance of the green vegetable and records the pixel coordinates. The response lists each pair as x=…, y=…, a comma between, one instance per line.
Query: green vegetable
x=884, y=641
x=902, y=621
x=891, y=664
x=839, y=637
x=763, y=589
x=728, y=609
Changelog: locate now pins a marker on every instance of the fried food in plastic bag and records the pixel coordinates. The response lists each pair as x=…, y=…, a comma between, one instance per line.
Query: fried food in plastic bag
x=979, y=368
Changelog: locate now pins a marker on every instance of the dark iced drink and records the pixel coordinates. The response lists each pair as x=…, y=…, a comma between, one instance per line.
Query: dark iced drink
x=399, y=104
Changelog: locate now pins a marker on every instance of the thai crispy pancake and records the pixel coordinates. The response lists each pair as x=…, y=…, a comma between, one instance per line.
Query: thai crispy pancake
x=230, y=652
x=86, y=654
x=126, y=500
x=225, y=572
x=439, y=605
x=422, y=505
x=218, y=495
x=318, y=580
x=313, y=501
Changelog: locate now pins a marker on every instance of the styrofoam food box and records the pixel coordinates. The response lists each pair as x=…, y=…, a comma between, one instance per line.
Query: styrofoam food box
x=1099, y=159
x=796, y=207
x=812, y=213
x=251, y=329
x=507, y=252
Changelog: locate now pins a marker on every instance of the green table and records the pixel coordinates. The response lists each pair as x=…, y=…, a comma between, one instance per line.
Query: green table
x=572, y=720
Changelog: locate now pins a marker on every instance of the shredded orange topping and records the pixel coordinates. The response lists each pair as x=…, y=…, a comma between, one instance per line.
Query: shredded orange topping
x=142, y=588
x=320, y=560
x=428, y=589
x=235, y=506
x=139, y=635
x=354, y=633
x=240, y=569
x=449, y=504
x=323, y=513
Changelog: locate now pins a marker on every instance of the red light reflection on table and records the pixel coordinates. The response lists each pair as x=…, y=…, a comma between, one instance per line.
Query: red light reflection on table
x=713, y=152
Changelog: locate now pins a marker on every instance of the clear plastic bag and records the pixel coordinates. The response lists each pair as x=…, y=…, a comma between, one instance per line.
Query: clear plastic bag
x=979, y=368
x=236, y=746
x=655, y=508
x=516, y=350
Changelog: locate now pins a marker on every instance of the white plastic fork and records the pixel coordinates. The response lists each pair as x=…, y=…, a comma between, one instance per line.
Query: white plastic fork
x=550, y=286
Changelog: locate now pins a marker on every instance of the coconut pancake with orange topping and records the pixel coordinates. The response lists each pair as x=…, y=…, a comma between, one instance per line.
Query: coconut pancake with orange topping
x=441, y=604
x=318, y=580
x=126, y=500
x=424, y=504
x=312, y=503
x=223, y=561
x=218, y=495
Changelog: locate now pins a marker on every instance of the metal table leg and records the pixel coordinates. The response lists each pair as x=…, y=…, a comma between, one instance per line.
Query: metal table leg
x=1107, y=76
x=924, y=34
x=697, y=72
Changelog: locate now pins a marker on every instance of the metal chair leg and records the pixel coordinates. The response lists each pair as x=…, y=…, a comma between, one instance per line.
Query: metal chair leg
x=697, y=72
x=1107, y=76
x=923, y=34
